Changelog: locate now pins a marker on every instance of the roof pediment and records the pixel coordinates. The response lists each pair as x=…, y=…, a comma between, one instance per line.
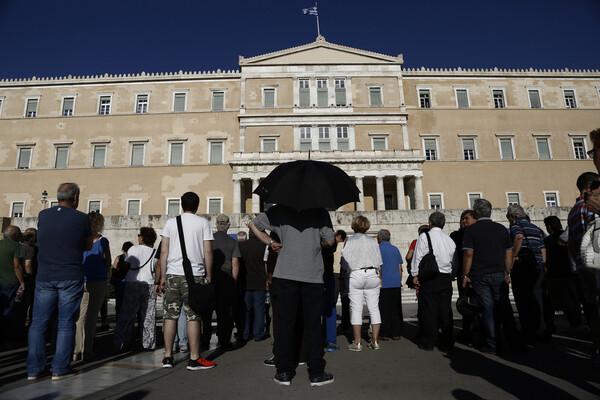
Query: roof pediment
x=320, y=52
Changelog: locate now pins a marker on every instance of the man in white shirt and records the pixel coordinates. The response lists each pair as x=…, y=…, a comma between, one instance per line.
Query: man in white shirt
x=435, y=295
x=198, y=244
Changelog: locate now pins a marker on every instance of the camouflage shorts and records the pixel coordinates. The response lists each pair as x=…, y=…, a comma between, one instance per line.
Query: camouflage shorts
x=176, y=295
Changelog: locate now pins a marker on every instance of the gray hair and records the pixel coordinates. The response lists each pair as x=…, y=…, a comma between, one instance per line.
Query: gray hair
x=437, y=219
x=384, y=235
x=482, y=208
x=516, y=211
x=67, y=191
x=12, y=232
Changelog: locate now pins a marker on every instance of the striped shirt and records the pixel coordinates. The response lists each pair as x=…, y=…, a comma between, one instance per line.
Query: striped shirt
x=579, y=220
x=533, y=237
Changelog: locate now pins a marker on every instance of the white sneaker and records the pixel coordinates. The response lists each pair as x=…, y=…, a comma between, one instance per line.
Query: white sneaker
x=355, y=346
x=374, y=345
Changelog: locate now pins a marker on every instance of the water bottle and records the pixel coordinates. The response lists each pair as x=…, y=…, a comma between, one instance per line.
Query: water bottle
x=268, y=298
x=19, y=295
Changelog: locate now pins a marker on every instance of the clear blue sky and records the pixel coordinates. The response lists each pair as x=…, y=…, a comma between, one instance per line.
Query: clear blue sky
x=83, y=37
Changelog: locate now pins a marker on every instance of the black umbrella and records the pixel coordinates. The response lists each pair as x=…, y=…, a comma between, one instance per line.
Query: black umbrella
x=308, y=184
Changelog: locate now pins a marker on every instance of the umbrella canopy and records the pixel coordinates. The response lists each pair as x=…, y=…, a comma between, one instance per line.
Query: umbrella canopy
x=306, y=184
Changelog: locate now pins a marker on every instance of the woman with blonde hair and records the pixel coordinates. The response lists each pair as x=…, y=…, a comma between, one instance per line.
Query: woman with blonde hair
x=96, y=264
x=362, y=258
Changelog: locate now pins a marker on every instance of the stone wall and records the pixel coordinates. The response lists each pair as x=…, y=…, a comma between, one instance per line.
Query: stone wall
x=402, y=224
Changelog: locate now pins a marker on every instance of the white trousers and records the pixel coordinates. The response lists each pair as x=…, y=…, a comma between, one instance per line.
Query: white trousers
x=364, y=283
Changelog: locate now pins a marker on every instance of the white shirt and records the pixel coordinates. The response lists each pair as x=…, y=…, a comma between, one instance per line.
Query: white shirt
x=138, y=256
x=195, y=231
x=443, y=249
x=361, y=251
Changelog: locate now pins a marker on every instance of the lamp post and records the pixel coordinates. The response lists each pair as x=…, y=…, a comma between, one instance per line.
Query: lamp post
x=44, y=199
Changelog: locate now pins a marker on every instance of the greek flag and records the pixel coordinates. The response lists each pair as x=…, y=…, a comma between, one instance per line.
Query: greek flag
x=311, y=11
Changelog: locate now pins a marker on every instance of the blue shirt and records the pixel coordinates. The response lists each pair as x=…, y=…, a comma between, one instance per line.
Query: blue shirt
x=390, y=270
x=93, y=262
x=62, y=235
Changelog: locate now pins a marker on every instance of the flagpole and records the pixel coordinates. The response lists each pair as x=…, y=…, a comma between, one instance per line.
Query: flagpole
x=318, y=28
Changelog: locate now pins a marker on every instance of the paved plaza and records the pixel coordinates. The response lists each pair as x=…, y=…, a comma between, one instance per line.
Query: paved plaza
x=558, y=369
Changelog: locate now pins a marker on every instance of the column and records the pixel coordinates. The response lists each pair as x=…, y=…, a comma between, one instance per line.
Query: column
x=400, y=193
x=405, y=137
x=237, y=196
x=255, y=197
x=380, y=195
x=419, y=193
x=360, y=206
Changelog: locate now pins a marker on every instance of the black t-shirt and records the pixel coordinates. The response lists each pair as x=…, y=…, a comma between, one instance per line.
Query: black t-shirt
x=557, y=257
x=253, y=253
x=489, y=241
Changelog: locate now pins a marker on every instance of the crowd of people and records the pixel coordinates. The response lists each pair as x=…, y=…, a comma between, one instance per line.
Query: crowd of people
x=290, y=269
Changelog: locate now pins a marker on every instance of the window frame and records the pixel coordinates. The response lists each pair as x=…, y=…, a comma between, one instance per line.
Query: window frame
x=37, y=106
x=557, y=199
x=56, y=149
x=539, y=93
x=337, y=90
x=169, y=199
x=441, y=195
x=176, y=142
x=379, y=137
x=436, y=154
x=208, y=199
x=12, y=208
x=322, y=140
x=137, y=103
x=466, y=90
x=110, y=97
x=214, y=92
x=185, y=97
x=371, y=89
x=265, y=138
x=94, y=147
x=512, y=146
x=537, y=146
x=508, y=194
x=19, y=154
x=134, y=145
x=575, y=102
x=469, y=204
x=94, y=200
x=321, y=90
x=584, y=155
x=302, y=90
x=127, y=203
x=264, y=91
x=62, y=107
x=499, y=89
x=429, y=96
x=305, y=140
x=2, y=99
x=210, y=151
x=342, y=139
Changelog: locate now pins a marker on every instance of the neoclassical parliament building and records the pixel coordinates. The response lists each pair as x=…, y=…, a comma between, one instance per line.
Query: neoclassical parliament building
x=419, y=138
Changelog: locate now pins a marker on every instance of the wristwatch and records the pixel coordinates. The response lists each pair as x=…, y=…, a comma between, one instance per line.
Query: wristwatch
x=465, y=276
x=271, y=242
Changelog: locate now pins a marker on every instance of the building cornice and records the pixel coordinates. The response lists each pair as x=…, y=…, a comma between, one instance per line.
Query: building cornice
x=499, y=72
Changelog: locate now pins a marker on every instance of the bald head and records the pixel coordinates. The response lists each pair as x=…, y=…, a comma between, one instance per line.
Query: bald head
x=12, y=232
x=68, y=195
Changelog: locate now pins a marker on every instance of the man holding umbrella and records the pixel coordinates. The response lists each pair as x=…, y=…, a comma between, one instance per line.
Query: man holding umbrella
x=302, y=191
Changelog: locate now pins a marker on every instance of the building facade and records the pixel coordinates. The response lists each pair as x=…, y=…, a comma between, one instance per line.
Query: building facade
x=410, y=138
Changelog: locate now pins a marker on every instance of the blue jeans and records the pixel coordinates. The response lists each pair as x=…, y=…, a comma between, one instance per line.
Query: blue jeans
x=66, y=295
x=181, y=337
x=330, y=311
x=255, y=300
x=492, y=292
x=7, y=305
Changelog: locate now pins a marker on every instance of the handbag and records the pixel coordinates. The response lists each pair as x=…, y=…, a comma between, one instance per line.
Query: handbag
x=590, y=248
x=468, y=305
x=201, y=296
x=527, y=254
x=428, y=267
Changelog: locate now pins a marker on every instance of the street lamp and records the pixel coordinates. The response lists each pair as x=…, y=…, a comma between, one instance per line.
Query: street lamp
x=44, y=199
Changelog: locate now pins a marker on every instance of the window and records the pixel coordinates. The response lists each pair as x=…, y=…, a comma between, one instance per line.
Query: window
x=216, y=153
x=68, y=106
x=104, y=105
x=134, y=207
x=218, y=100
x=176, y=153
x=324, y=142
x=340, y=92
x=498, y=95
x=141, y=104
x=430, y=146
x=534, y=98
x=24, y=161
x=468, y=145
x=53, y=203
x=137, y=154
x=94, y=206
x=304, y=92
x=62, y=157
x=375, y=96
x=379, y=143
x=173, y=206
x=506, y=149
x=551, y=199
x=17, y=209
x=342, y=138
x=435, y=201
x=305, y=138
x=214, y=205
x=31, y=109
x=543, y=148
x=179, y=102
x=322, y=93
x=513, y=199
x=579, y=148
x=472, y=197
x=99, y=157
x=269, y=97
x=570, y=98
x=462, y=98
x=269, y=144
x=424, y=98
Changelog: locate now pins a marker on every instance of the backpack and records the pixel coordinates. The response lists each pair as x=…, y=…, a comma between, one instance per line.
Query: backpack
x=590, y=247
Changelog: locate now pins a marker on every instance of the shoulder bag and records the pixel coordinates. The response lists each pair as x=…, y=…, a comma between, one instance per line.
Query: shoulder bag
x=590, y=247
x=201, y=297
x=428, y=267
